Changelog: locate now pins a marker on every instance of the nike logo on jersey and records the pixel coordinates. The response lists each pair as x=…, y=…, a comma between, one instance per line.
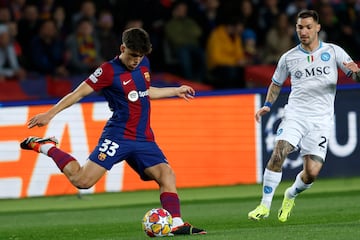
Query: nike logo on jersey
x=126, y=82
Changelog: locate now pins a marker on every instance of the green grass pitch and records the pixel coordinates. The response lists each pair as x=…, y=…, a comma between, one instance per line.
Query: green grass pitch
x=329, y=210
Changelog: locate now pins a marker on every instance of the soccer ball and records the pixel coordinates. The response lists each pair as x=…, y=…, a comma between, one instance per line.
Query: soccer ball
x=157, y=222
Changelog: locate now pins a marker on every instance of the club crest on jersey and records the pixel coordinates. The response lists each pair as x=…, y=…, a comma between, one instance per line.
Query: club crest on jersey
x=147, y=76
x=325, y=56
x=97, y=73
x=102, y=156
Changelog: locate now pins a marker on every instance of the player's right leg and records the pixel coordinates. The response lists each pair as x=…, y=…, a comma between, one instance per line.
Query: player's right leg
x=84, y=177
x=34, y=143
x=260, y=212
x=81, y=177
x=48, y=147
x=271, y=179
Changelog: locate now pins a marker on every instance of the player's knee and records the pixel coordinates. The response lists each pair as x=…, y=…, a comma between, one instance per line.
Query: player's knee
x=167, y=178
x=82, y=183
x=313, y=165
x=281, y=150
x=168, y=175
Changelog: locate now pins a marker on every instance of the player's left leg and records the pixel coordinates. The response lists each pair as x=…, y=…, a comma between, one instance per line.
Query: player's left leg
x=303, y=181
x=165, y=177
x=313, y=150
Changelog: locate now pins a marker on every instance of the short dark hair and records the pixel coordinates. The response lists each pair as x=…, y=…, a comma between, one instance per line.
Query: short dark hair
x=137, y=39
x=309, y=13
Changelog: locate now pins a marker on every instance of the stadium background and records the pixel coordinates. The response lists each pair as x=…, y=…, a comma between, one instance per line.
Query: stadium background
x=211, y=141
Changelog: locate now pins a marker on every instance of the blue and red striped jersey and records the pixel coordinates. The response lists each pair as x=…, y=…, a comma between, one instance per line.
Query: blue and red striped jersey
x=127, y=93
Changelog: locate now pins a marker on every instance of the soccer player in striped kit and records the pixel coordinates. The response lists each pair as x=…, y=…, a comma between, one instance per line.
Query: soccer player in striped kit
x=308, y=116
x=125, y=84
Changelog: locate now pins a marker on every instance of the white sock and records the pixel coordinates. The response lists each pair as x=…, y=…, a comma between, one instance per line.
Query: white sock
x=270, y=183
x=297, y=187
x=44, y=148
x=177, y=221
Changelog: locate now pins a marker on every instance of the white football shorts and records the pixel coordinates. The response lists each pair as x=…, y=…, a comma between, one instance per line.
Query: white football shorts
x=311, y=137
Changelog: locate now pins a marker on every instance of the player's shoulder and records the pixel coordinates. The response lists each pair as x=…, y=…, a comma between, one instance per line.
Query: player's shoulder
x=145, y=61
x=108, y=64
x=106, y=69
x=114, y=62
x=115, y=65
x=289, y=54
x=335, y=47
x=327, y=44
x=104, y=72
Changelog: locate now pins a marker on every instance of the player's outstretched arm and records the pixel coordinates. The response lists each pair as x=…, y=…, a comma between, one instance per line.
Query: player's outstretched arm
x=43, y=119
x=184, y=91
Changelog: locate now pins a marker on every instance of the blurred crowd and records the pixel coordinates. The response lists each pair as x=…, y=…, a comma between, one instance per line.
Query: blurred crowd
x=205, y=41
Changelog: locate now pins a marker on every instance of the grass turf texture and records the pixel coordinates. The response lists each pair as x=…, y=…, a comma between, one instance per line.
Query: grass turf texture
x=329, y=210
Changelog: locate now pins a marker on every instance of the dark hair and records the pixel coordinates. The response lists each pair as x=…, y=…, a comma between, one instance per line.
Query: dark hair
x=309, y=13
x=137, y=39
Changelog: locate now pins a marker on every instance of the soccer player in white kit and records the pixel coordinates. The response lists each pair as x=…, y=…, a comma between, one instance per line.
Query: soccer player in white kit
x=308, y=116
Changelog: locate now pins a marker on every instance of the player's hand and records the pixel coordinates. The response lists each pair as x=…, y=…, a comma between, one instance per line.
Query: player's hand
x=352, y=66
x=39, y=120
x=262, y=111
x=185, y=92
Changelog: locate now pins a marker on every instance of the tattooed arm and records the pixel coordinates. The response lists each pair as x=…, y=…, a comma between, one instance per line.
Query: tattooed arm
x=272, y=95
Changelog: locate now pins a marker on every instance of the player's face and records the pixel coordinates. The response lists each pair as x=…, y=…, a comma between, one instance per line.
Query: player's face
x=129, y=58
x=307, y=30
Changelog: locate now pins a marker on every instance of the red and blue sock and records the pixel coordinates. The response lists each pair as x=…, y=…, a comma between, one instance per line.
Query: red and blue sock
x=170, y=201
x=60, y=157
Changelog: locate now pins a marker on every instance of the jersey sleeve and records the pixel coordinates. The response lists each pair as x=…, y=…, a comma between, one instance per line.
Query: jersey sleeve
x=341, y=58
x=281, y=72
x=102, y=77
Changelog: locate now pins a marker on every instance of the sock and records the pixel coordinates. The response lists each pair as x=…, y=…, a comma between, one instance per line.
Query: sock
x=177, y=221
x=170, y=201
x=44, y=148
x=60, y=157
x=270, y=183
x=297, y=187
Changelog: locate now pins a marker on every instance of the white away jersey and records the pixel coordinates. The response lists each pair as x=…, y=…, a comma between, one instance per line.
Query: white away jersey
x=313, y=77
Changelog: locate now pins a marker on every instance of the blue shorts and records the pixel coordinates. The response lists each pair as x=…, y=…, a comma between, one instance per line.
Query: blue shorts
x=138, y=154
